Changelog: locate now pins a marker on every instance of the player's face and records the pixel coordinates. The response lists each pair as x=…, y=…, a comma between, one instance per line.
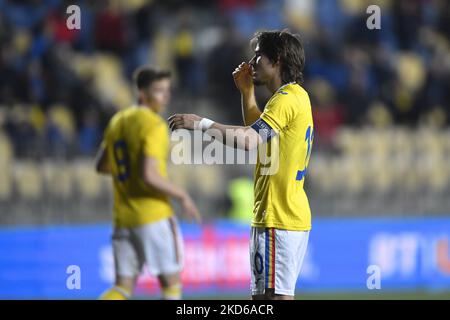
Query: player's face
x=158, y=94
x=263, y=70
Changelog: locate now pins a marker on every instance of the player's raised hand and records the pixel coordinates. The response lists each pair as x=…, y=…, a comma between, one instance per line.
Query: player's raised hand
x=183, y=121
x=243, y=78
x=190, y=209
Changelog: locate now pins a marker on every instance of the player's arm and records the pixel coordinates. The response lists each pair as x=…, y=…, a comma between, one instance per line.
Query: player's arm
x=101, y=161
x=245, y=138
x=152, y=178
x=243, y=80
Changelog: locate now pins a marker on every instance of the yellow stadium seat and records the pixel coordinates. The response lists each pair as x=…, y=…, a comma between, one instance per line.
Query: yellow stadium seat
x=300, y=14
x=349, y=141
x=6, y=157
x=355, y=7
x=179, y=174
x=6, y=151
x=58, y=179
x=438, y=177
x=109, y=80
x=63, y=118
x=445, y=138
x=377, y=142
x=351, y=174
x=400, y=140
x=6, y=182
x=88, y=181
x=28, y=180
x=410, y=71
x=321, y=174
x=379, y=115
x=212, y=182
x=380, y=174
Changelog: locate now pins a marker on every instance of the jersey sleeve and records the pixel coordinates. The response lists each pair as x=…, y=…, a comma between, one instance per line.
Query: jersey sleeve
x=155, y=139
x=265, y=131
x=279, y=111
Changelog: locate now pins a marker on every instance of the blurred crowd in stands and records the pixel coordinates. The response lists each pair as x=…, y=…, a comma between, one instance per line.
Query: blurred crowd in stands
x=58, y=87
x=380, y=98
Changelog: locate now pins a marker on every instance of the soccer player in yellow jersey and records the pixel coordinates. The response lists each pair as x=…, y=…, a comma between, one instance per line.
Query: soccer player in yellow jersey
x=281, y=215
x=134, y=152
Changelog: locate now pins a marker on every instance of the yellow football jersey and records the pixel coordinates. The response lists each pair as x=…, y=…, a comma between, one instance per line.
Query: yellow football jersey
x=280, y=200
x=131, y=134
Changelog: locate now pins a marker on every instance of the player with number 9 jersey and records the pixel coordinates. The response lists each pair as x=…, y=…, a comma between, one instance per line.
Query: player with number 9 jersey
x=131, y=133
x=134, y=152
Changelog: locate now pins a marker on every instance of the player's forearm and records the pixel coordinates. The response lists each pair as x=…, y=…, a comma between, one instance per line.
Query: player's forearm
x=250, y=110
x=238, y=137
x=245, y=138
x=155, y=180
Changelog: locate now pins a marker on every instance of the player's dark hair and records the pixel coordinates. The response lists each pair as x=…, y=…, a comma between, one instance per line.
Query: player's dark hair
x=144, y=76
x=286, y=47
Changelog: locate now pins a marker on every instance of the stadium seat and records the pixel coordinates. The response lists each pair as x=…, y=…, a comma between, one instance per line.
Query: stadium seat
x=410, y=70
x=6, y=157
x=353, y=7
x=212, y=181
x=63, y=119
x=110, y=82
x=320, y=174
x=379, y=115
x=445, y=138
x=381, y=177
x=179, y=174
x=6, y=182
x=87, y=180
x=37, y=118
x=28, y=180
x=300, y=14
x=352, y=176
x=438, y=178
x=6, y=151
x=108, y=79
x=377, y=142
x=58, y=179
x=349, y=141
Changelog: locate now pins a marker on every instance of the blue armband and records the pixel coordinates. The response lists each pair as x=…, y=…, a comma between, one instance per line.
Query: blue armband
x=264, y=129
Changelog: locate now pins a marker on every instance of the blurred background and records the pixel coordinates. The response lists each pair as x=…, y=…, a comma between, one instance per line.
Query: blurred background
x=378, y=180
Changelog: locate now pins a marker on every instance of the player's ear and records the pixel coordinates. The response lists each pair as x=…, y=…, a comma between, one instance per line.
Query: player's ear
x=141, y=96
x=277, y=62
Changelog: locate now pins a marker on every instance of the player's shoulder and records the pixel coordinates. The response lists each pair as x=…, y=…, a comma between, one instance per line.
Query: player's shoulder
x=120, y=114
x=123, y=113
x=287, y=95
x=292, y=91
x=146, y=113
x=148, y=120
x=292, y=95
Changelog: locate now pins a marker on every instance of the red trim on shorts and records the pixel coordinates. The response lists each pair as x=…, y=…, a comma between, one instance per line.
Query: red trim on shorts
x=273, y=258
x=175, y=238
